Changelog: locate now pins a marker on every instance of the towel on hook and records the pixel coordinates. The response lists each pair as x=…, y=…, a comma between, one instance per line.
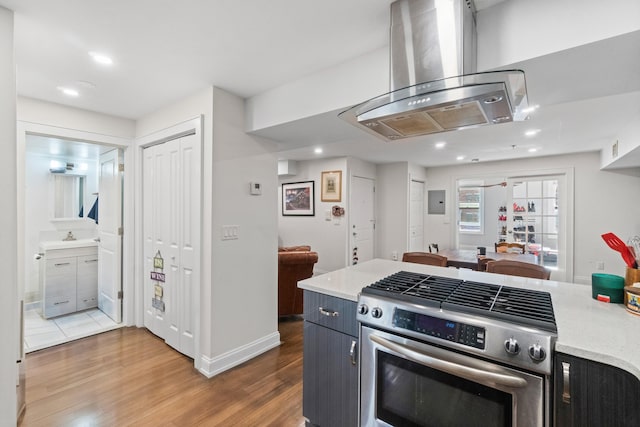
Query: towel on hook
x=93, y=213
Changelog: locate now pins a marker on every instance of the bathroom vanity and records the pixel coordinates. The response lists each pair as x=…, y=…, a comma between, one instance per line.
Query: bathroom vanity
x=68, y=276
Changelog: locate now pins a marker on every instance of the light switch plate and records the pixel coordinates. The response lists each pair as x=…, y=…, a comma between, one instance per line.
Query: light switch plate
x=230, y=232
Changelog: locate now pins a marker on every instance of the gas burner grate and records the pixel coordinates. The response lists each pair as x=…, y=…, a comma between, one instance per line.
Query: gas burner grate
x=521, y=306
x=407, y=286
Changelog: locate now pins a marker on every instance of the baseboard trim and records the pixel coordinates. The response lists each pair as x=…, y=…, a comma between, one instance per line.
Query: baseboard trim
x=210, y=367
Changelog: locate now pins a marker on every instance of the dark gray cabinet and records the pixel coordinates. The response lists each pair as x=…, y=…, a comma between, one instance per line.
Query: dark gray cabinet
x=330, y=370
x=588, y=393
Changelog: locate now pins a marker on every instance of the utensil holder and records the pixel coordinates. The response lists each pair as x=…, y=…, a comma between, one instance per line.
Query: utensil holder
x=632, y=276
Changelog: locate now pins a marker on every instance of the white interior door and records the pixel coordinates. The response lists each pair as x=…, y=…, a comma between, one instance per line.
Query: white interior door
x=416, y=216
x=363, y=222
x=109, y=233
x=171, y=211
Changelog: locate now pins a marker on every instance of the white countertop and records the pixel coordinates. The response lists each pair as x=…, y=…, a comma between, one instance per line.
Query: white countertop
x=587, y=328
x=50, y=245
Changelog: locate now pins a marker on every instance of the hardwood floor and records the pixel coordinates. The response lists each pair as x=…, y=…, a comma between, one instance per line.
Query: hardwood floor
x=131, y=377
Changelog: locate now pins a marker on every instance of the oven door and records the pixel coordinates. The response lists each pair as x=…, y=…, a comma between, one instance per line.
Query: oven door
x=409, y=383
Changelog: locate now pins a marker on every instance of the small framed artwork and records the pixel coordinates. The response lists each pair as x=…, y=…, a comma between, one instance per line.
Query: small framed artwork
x=331, y=186
x=298, y=198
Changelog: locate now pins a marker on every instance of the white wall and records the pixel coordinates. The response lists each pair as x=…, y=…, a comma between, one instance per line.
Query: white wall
x=327, y=238
x=244, y=295
x=603, y=203
x=516, y=30
x=42, y=112
x=392, y=205
x=9, y=349
x=628, y=140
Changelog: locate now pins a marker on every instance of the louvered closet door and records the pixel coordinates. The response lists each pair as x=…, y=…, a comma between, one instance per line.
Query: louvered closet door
x=172, y=232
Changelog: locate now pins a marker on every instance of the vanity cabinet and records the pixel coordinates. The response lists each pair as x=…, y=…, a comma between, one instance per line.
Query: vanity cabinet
x=68, y=280
x=593, y=394
x=330, y=369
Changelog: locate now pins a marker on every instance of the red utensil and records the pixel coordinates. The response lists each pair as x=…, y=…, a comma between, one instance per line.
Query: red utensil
x=616, y=244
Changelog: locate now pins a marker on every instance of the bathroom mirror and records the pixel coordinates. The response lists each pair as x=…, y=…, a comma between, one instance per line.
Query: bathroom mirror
x=68, y=195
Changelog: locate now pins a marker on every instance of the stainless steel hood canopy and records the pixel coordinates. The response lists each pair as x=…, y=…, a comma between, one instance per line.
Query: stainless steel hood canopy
x=434, y=84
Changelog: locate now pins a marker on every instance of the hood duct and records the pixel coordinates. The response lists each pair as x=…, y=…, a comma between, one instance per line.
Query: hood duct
x=434, y=86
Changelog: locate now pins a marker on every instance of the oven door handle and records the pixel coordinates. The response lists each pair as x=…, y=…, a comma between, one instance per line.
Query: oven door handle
x=473, y=374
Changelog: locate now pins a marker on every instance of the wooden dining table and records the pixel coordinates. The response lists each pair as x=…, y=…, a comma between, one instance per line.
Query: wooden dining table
x=468, y=258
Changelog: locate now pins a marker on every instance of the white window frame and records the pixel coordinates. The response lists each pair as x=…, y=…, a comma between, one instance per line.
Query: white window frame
x=470, y=184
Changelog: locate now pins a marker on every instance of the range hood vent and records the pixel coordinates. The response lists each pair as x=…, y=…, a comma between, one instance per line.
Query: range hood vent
x=434, y=86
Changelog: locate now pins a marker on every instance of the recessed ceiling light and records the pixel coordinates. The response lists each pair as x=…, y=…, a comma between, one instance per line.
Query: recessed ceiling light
x=101, y=58
x=440, y=144
x=533, y=150
x=532, y=132
x=85, y=84
x=318, y=150
x=69, y=91
x=460, y=158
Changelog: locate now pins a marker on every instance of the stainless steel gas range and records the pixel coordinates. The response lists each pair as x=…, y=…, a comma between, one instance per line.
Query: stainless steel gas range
x=437, y=351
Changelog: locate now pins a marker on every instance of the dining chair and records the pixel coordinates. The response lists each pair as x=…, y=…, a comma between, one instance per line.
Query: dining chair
x=425, y=258
x=504, y=247
x=482, y=263
x=518, y=268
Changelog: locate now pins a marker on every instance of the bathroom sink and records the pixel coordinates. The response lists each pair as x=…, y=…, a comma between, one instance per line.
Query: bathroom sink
x=67, y=244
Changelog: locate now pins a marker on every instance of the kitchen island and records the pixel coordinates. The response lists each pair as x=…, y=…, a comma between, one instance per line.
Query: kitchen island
x=588, y=330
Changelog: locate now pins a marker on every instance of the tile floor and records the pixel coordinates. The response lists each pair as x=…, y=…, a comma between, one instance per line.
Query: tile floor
x=41, y=333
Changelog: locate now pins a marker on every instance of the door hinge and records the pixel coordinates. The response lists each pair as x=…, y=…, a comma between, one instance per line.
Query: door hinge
x=121, y=167
x=119, y=294
x=120, y=231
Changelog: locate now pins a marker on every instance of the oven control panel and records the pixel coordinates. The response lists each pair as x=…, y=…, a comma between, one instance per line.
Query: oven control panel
x=461, y=333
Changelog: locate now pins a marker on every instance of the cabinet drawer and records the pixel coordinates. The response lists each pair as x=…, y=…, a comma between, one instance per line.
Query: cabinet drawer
x=87, y=300
x=59, y=304
x=332, y=312
x=60, y=268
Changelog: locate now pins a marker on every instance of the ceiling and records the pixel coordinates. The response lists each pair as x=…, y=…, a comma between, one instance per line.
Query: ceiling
x=165, y=50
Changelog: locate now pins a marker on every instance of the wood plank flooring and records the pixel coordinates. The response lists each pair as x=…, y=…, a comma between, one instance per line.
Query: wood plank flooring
x=131, y=377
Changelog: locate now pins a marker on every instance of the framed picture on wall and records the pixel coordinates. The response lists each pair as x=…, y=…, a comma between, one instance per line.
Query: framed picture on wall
x=331, y=186
x=298, y=198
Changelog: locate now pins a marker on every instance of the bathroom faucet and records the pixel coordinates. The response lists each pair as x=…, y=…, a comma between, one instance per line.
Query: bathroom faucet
x=69, y=237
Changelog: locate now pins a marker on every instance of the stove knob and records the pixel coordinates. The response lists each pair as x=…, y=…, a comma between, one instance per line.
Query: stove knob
x=376, y=312
x=537, y=353
x=363, y=309
x=511, y=346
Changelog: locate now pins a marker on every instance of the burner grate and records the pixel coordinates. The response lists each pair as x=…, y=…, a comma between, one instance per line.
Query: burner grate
x=407, y=286
x=521, y=306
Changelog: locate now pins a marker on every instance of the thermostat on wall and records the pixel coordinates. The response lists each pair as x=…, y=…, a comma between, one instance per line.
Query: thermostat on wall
x=255, y=188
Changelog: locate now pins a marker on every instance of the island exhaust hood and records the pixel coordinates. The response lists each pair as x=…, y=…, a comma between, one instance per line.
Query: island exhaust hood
x=434, y=86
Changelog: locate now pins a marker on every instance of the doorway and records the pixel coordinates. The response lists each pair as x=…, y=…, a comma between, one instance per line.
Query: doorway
x=416, y=216
x=363, y=223
x=61, y=185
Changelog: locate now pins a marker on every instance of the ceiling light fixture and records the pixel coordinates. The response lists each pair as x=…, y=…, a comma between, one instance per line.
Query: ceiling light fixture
x=101, y=58
x=533, y=150
x=69, y=91
x=318, y=150
x=460, y=158
x=532, y=132
x=440, y=144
